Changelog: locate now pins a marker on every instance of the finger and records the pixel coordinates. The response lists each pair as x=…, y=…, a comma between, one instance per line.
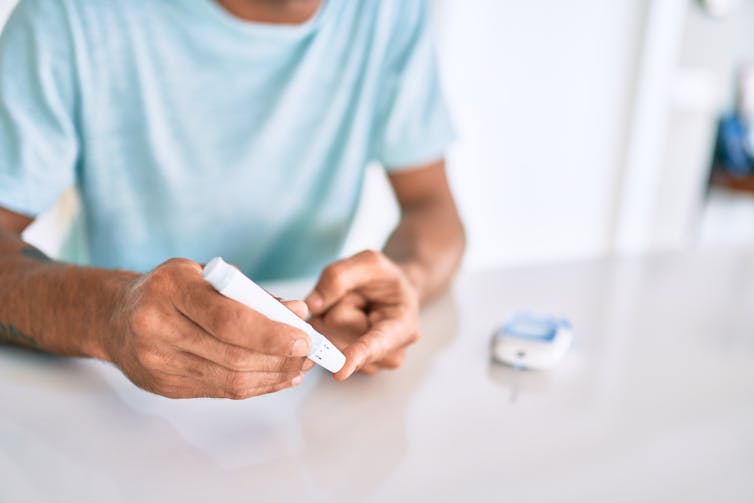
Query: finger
x=370, y=369
x=381, y=340
x=348, y=314
x=191, y=338
x=180, y=387
x=392, y=361
x=340, y=338
x=345, y=275
x=236, y=324
x=298, y=307
x=209, y=379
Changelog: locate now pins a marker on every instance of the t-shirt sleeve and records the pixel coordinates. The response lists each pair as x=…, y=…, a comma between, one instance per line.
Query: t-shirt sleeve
x=38, y=139
x=415, y=126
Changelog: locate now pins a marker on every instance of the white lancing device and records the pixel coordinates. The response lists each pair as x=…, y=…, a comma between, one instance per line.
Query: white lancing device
x=233, y=284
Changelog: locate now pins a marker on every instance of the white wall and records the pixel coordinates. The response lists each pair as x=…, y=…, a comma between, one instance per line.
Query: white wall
x=542, y=93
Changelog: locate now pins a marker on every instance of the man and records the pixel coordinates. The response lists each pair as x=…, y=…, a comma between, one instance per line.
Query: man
x=241, y=128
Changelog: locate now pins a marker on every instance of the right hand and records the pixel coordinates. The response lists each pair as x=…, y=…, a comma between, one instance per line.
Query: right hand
x=177, y=337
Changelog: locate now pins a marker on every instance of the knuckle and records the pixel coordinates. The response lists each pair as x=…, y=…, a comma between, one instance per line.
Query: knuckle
x=144, y=319
x=167, y=273
x=237, y=395
x=331, y=276
x=169, y=388
x=179, y=263
x=235, y=357
x=376, y=258
x=151, y=359
x=338, y=283
x=160, y=277
x=236, y=386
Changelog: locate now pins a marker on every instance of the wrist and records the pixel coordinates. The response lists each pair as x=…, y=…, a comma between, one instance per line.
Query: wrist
x=107, y=327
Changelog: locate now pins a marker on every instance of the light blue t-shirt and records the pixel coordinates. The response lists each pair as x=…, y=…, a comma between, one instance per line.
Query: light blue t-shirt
x=191, y=133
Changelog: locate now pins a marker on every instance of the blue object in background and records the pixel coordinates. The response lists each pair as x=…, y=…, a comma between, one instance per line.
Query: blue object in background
x=732, y=151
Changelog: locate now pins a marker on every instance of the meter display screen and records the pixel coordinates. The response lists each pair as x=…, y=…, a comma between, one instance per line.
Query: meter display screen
x=528, y=327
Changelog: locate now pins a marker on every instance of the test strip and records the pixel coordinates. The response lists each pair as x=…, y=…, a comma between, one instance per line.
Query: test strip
x=233, y=284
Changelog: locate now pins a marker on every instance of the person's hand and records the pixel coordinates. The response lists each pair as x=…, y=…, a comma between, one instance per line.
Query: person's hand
x=176, y=336
x=369, y=308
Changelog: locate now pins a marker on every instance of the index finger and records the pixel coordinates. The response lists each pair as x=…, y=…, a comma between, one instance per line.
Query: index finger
x=237, y=324
x=381, y=340
x=345, y=275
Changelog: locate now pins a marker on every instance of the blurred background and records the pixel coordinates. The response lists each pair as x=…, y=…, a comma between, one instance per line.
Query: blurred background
x=586, y=128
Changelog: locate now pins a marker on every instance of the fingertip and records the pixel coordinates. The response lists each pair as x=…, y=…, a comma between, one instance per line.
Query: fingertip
x=342, y=375
x=297, y=380
x=315, y=302
x=307, y=365
x=346, y=372
x=353, y=364
x=298, y=307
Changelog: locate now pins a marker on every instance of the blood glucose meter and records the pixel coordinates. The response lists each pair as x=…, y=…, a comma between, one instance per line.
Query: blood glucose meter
x=532, y=341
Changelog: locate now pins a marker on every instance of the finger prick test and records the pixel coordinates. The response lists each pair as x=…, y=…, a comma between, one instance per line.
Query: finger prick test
x=233, y=284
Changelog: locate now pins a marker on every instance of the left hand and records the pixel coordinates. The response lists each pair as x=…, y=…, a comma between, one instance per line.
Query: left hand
x=370, y=309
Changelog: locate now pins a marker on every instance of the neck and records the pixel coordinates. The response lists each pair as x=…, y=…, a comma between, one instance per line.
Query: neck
x=272, y=11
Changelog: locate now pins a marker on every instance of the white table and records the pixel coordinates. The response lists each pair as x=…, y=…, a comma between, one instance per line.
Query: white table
x=655, y=402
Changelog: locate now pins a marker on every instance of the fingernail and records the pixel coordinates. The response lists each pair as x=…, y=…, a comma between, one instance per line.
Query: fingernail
x=314, y=301
x=297, y=380
x=299, y=348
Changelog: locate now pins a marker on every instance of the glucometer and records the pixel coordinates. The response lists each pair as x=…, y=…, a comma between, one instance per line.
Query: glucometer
x=533, y=341
x=233, y=284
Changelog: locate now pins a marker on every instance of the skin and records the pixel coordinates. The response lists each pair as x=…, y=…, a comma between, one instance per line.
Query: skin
x=172, y=334
x=368, y=304
x=272, y=11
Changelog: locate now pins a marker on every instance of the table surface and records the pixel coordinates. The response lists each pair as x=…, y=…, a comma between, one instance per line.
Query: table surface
x=654, y=402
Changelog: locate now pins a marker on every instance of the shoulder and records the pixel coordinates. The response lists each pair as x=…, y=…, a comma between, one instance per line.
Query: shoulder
x=389, y=25
x=51, y=18
x=398, y=16
x=385, y=16
x=400, y=24
x=75, y=13
x=38, y=13
x=41, y=28
x=401, y=21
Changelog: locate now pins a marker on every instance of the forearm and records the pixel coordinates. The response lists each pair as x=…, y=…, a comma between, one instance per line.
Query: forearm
x=428, y=244
x=51, y=306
